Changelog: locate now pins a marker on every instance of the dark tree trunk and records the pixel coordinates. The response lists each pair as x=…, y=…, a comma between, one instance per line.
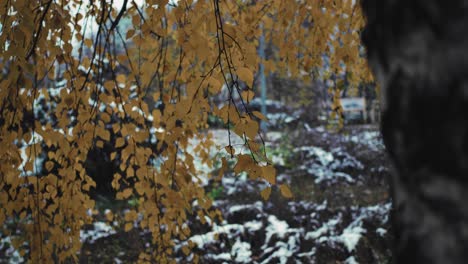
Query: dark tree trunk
x=418, y=51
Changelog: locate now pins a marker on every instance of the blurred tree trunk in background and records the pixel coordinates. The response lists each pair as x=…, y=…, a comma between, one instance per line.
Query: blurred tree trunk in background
x=417, y=51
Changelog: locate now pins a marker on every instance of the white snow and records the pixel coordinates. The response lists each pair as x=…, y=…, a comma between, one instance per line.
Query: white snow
x=209, y=237
x=381, y=231
x=327, y=227
x=235, y=208
x=282, y=253
x=253, y=226
x=324, y=157
x=351, y=260
x=350, y=237
x=25, y=156
x=221, y=256
x=12, y=255
x=276, y=227
x=241, y=251
x=327, y=166
x=100, y=229
x=372, y=139
x=274, y=136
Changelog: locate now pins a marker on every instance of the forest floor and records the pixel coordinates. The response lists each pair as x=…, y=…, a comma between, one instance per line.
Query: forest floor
x=339, y=213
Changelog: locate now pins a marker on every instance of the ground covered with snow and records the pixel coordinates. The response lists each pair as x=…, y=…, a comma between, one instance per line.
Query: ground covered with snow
x=339, y=213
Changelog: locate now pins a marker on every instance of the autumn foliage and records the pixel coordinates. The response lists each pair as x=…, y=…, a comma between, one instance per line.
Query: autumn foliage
x=75, y=78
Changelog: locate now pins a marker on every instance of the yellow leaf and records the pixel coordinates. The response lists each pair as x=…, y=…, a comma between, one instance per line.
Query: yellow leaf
x=247, y=95
x=186, y=250
x=121, y=78
x=251, y=129
x=140, y=173
x=259, y=115
x=136, y=20
x=126, y=193
x=109, y=85
x=130, y=172
x=115, y=181
x=223, y=168
x=109, y=216
x=230, y=150
x=119, y=142
x=130, y=215
x=265, y=193
x=285, y=191
x=130, y=33
x=269, y=174
x=49, y=165
x=103, y=133
x=243, y=162
x=128, y=227
x=23, y=215
x=88, y=43
x=246, y=75
x=214, y=85
x=99, y=144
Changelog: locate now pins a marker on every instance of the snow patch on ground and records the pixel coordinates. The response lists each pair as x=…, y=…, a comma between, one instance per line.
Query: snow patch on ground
x=241, y=251
x=351, y=236
x=381, y=231
x=11, y=253
x=100, y=229
x=235, y=208
x=351, y=260
x=210, y=237
x=276, y=227
x=327, y=227
x=253, y=226
x=372, y=139
x=328, y=166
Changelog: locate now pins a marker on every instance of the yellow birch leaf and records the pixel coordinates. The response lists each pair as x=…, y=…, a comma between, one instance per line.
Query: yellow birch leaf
x=88, y=43
x=269, y=174
x=121, y=78
x=103, y=133
x=251, y=129
x=223, y=168
x=136, y=20
x=130, y=215
x=130, y=172
x=243, y=162
x=49, y=165
x=109, y=85
x=128, y=227
x=247, y=95
x=109, y=216
x=99, y=144
x=259, y=115
x=230, y=150
x=246, y=75
x=265, y=193
x=186, y=250
x=130, y=33
x=126, y=193
x=119, y=142
x=214, y=85
x=23, y=215
x=285, y=191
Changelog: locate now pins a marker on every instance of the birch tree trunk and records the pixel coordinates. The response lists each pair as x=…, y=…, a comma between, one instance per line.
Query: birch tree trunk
x=418, y=51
